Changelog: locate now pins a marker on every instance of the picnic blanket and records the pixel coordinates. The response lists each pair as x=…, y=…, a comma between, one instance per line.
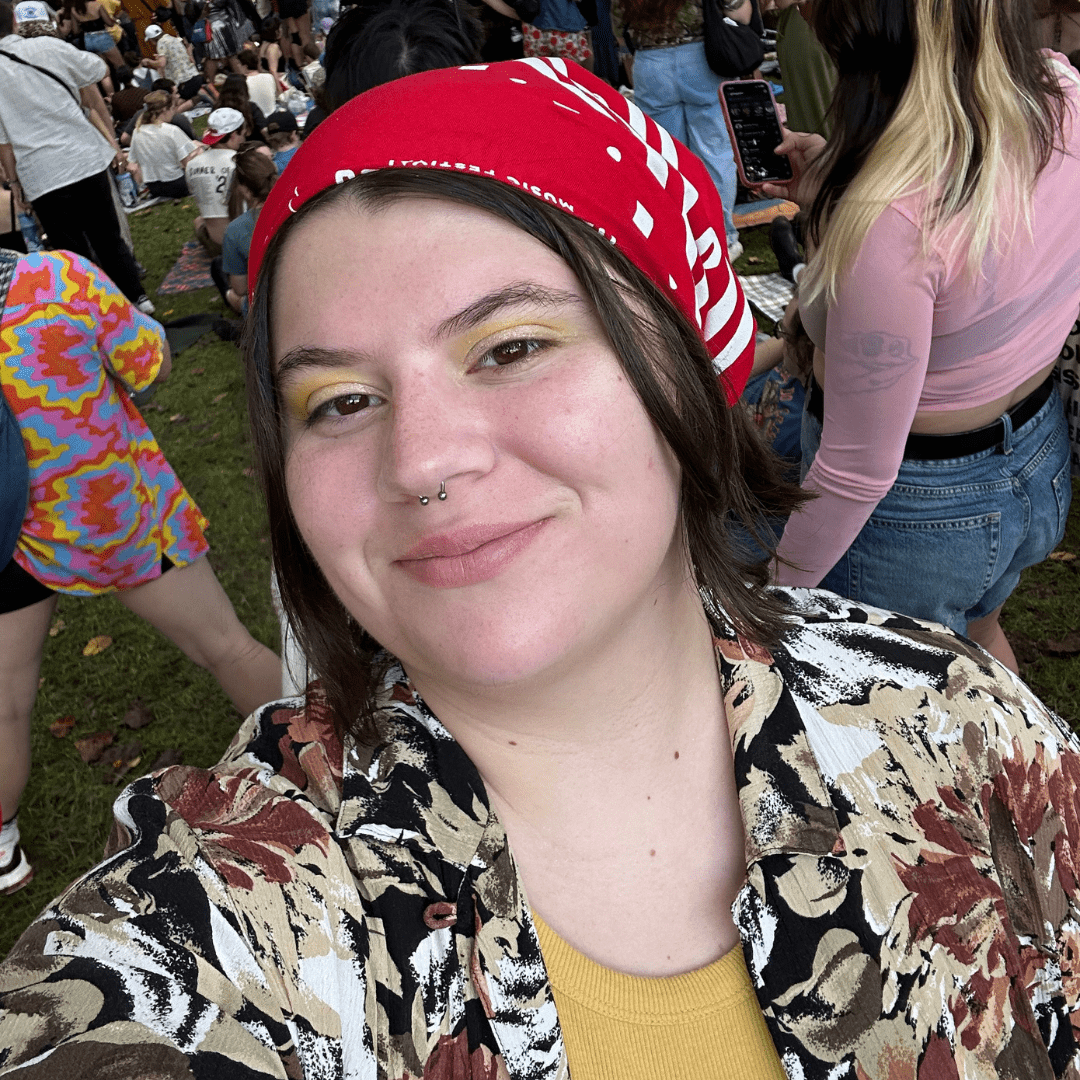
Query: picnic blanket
x=191, y=271
x=768, y=293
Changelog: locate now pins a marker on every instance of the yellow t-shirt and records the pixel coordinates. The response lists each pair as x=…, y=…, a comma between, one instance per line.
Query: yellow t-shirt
x=706, y=1023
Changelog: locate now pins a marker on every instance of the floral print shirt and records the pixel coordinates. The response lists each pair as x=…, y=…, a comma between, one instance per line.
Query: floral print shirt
x=104, y=503
x=910, y=907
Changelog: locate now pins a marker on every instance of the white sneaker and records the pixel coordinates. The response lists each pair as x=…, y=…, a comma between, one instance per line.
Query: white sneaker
x=734, y=251
x=16, y=874
x=145, y=305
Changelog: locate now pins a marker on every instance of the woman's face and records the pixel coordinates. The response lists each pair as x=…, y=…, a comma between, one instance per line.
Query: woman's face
x=429, y=343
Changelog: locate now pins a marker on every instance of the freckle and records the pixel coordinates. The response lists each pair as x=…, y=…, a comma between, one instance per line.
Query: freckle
x=512, y=743
x=653, y=851
x=649, y=797
x=676, y=755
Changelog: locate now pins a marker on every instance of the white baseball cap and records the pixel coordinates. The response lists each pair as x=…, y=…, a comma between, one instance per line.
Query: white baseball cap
x=153, y=32
x=220, y=123
x=31, y=11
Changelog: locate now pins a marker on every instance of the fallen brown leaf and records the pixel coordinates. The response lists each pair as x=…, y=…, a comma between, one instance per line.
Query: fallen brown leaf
x=1062, y=556
x=249, y=472
x=752, y=259
x=121, y=761
x=220, y=397
x=166, y=314
x=41, y=682
x=178, y=418
x=216, y=435
x=97, y=645
x=91, y=747
x=138, y=715
x=1069, y=645
x=56, y=627
x=198, y=371
x=59, y=728
x=167, y=758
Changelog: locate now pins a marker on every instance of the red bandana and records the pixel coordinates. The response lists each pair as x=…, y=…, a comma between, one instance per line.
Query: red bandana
x=550, y=128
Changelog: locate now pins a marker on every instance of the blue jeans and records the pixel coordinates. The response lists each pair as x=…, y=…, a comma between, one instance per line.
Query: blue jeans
x=950, y=538
x=677, y=88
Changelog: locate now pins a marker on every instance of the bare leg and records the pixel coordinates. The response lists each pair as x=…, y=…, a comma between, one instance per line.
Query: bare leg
x=987, y=632
x=22, y=640
x=189, y=606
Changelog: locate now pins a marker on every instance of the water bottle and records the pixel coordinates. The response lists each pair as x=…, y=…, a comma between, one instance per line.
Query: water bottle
x=129, y=196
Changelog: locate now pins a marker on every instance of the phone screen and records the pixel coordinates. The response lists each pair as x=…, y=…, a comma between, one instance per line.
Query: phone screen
x=755, y=129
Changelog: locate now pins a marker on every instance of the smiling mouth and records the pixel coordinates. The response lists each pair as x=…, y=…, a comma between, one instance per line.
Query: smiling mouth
x=468, y=556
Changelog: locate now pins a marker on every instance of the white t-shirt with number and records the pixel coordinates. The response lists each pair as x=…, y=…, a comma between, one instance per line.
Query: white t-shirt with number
x=208, y=179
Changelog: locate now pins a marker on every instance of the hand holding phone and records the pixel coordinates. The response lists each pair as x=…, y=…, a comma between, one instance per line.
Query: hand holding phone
x=802, y=150
x=754, y=126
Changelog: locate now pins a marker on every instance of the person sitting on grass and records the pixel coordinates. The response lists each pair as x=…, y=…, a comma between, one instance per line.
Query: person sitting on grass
x=253, y=178
x=283, y=136
x=209, y=176
x=262, y=86
x=106, y=512
x=159, y=150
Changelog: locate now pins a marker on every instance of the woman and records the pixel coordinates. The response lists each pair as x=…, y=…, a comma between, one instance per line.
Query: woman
x=568, y=753
x=106, y=513
x=160, y=150
x=89, y=23
x=253, y=178
x=946, y=279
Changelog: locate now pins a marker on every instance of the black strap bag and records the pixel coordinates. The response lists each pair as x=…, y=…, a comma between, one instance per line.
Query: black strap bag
x=732, y=49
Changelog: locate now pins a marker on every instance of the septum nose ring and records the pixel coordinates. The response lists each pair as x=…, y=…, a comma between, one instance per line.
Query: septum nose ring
x=424, y=499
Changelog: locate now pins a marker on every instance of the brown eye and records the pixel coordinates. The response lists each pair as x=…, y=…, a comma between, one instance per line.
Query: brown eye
x=510, y=352
x=343, y=405
x=351, y=403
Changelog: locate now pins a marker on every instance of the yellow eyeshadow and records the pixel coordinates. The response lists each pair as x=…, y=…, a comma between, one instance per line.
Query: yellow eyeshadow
x=300, y=392
x=495, y=333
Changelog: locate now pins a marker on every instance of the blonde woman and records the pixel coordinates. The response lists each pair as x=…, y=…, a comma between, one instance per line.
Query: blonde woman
x=160, y=150
x=946, y=277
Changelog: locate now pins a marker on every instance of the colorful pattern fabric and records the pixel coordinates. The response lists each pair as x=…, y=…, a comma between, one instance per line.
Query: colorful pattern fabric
x=615, y=169
x=571, y=44
x=104, y=503
x=911, y=906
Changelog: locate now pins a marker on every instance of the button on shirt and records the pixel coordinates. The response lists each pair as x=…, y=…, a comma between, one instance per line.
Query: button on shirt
x=54, y=143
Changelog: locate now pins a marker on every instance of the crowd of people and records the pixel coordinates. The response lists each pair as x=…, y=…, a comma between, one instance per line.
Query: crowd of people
x=652, y=713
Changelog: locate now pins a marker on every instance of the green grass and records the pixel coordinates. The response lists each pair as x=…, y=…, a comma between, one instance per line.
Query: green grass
x=65, y=815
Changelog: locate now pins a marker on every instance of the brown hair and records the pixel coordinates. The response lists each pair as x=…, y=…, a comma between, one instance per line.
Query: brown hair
x=155, y=103
x=255, y=169
x=729, y=476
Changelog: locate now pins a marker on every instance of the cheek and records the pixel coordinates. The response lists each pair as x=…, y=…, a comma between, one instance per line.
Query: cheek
x=329, y=496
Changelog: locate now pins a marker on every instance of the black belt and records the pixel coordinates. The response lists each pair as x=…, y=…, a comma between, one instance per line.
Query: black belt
x=942, y=447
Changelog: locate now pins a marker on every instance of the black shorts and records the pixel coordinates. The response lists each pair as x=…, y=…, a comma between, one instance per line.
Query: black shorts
x=168, y=189
x=191, y=87
x=19, y=590
x=292, y=9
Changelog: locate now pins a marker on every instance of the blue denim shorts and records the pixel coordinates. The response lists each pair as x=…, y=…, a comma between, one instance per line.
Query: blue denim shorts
x=949, y=540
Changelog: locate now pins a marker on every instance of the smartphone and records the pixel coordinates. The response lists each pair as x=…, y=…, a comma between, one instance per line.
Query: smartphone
x=750, y=112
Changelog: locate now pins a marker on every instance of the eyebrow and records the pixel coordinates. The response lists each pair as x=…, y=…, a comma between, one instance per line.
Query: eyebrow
x=516, y=294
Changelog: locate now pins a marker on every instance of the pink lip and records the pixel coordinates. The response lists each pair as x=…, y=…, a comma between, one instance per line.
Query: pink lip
x=470, y=555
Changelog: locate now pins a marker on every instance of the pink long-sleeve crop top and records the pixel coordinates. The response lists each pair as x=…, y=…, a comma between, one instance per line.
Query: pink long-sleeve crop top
x=913, y=330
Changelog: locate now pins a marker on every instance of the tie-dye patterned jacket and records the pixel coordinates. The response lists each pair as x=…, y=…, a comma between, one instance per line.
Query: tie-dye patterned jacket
x=910, y=906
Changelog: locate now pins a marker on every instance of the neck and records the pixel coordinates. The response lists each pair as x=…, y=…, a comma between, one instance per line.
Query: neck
x=588, y=737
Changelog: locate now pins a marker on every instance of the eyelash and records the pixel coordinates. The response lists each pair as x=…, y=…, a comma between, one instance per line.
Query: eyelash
x=321, y=412
x=534, y=346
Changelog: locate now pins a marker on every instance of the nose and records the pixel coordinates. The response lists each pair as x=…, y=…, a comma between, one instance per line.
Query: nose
x=438, y=437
